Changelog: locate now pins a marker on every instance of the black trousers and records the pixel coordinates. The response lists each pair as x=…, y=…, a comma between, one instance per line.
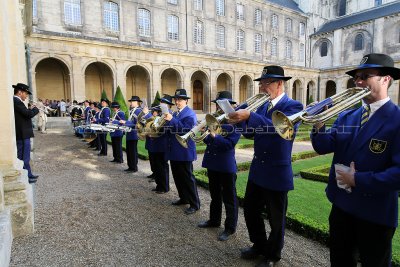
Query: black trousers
x=257, y=200
x=352, y=238
x=161, y=171
x=151, y=161
x=116, y=143
x=103, y=142
x=132, y=154
x=223, y=188
x=182, y=172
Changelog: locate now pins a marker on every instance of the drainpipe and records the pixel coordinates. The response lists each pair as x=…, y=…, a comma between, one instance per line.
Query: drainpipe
x=186, y=25
x=28, y=66
x=319, y=88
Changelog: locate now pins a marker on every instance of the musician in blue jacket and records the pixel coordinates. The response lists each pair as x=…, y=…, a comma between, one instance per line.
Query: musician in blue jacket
x=364, y=217
x=104, y=117
x=270, y=176
x=132, y=136
x=116, y=136
x=156, y=147
x=181, y=159
x=219, y=159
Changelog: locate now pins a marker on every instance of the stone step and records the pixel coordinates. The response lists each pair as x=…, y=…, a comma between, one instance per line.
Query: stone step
x=58, y=122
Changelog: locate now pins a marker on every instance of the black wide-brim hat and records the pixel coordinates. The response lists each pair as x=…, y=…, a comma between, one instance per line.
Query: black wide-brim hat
x=224, y=95
x=105, y=100
x=22, y=87
x=382, y=62
x=275, y=72
x=135, y=98
x=166, y=99
x=155, y=107
x=115, y=105
x=181, y=93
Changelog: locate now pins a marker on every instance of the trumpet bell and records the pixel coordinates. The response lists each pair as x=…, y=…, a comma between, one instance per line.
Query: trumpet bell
x=283, y=126
x=213, y=124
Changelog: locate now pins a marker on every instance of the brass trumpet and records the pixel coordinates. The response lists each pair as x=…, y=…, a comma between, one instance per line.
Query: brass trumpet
x=284, y=125
x=213, y=121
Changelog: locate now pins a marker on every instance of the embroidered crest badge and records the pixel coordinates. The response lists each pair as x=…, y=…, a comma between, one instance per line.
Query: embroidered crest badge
x=363, y=60
x=377, y=146
x=264, y=72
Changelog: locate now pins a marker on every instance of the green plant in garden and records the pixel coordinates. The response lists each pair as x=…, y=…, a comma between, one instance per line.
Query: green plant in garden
x=104, y=94
x=119, y=97
x=156, y=102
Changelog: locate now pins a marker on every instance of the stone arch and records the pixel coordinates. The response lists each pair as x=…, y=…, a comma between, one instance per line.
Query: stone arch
x=98, y=77
x=53, y=79
x=330, y=88
x=171, y=80
x=199, y=82
x=311, y=92
x=296, y=90
x=245, y=88
x=349, y=42
x=36, y=61
x=137, y=82
x=350, y=83
x=224, y=82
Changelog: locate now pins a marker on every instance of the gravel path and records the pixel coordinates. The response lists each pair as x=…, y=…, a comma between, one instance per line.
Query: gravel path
x=88, y=212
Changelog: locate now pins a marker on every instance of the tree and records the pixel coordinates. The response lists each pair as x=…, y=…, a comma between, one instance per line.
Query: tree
x=104, y=94
x=119, y=97
x=156, y=102
x=310, y=100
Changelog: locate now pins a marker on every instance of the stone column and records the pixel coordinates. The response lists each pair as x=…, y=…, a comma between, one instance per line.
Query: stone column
x=337, y=46
x=379, y=38
x=78, y=90
x=121, y=77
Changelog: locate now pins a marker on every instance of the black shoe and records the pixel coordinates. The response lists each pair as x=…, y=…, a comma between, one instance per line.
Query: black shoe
x=249, y=253
x=154, y=189
x=32, y=180
x=225, y=235
x=208, y=224
x=101, y=154
x=151, y=176
x=179, y=202
x=113, y=160
x=267, y=262
x=161, y=192
x=190, y=210
x=33, y=176
x=130, y=170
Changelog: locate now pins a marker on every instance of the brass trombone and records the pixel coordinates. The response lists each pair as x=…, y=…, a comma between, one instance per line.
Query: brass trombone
x=284, y=125
x=213, y=121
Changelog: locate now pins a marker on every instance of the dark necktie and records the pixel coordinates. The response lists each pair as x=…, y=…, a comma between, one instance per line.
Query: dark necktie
x=365, y=115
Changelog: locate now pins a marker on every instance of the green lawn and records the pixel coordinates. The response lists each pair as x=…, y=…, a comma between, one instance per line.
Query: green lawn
x=308, y=208
x=200, y=148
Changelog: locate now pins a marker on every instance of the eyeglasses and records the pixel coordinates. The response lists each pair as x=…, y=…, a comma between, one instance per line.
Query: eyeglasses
x=267, y=83
x=363, y=76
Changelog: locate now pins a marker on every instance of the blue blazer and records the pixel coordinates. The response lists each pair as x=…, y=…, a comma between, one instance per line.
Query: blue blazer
x=132, y=135
x=180, y=124
x=157, y=144
x=375, y=150
x=220, y=152
x=271, y=167
x=120, y=116
x=104, y=116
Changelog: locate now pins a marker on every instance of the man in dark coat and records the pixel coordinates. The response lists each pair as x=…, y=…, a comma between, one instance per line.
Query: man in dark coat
x=23, y=126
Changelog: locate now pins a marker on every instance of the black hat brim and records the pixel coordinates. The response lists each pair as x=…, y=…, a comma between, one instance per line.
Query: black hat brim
x=180, y=96
x=131, y=100
x=165, y=101
x=272, y=76
x=392, y=71
x=230, y=100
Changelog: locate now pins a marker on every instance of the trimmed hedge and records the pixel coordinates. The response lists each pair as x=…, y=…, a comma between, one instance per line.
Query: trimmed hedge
x=319, y=173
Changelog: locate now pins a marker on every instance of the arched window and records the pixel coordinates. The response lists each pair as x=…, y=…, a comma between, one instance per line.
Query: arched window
x=301, y=28
x=173, y=27
x=220, y=7
x=198, y=32
x=257, y=16
x=288, y=25
x=274, y=46
x=288, y=50
x=72, y=12
x=274, y=21
x=359, y=42
x=111, y=16
x=257, y=43
x=323, y=49
x=240, y=40
x=240, y=12
x=144, y=22
x=220, y=30
x=301, y=52
x=198, y=4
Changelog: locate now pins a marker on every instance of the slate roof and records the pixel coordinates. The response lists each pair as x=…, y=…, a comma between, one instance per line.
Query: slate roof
x=370, y=14
x=286, y=3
